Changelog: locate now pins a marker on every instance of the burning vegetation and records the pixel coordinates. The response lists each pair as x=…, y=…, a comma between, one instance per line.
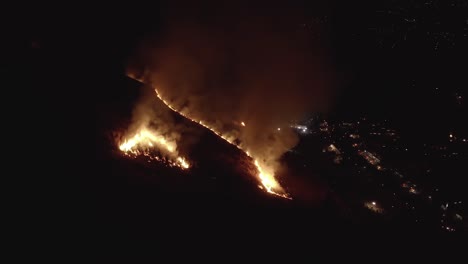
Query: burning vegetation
x=267, y=179
x=153, y=133
x=144, y=142
x=243, y=80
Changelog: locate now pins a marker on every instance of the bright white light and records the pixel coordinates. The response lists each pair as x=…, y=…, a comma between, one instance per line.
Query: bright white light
x=279, y=129
x=373, y=203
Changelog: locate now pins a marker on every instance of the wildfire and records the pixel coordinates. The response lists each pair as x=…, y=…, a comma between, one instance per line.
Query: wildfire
x=267, y=179
x=183, y=163
x=144, y=140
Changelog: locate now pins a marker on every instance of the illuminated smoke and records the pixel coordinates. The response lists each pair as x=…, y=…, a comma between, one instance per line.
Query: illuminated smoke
x=153, y=134
x=265, y=174
x=244, y=72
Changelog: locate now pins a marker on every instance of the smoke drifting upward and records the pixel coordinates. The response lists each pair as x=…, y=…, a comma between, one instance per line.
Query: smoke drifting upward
x=152, y=127
x=224, y=64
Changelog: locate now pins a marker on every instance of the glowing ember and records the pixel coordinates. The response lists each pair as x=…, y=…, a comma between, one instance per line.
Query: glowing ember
x=373, y=206
x=266, y=178
x=144, y=140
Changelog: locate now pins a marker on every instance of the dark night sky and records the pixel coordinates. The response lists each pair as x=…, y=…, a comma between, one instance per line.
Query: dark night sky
x=374, y=79
x=395, y=67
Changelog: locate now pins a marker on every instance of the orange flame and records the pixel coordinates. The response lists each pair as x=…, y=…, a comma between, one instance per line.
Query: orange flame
x=144, y=140
x=266, y=178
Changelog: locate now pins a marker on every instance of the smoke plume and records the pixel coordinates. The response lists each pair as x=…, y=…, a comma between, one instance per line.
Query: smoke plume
x=225, y=64
x=152, y=115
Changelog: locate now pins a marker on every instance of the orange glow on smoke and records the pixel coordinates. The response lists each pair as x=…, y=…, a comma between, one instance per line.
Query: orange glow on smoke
x=265, y=176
